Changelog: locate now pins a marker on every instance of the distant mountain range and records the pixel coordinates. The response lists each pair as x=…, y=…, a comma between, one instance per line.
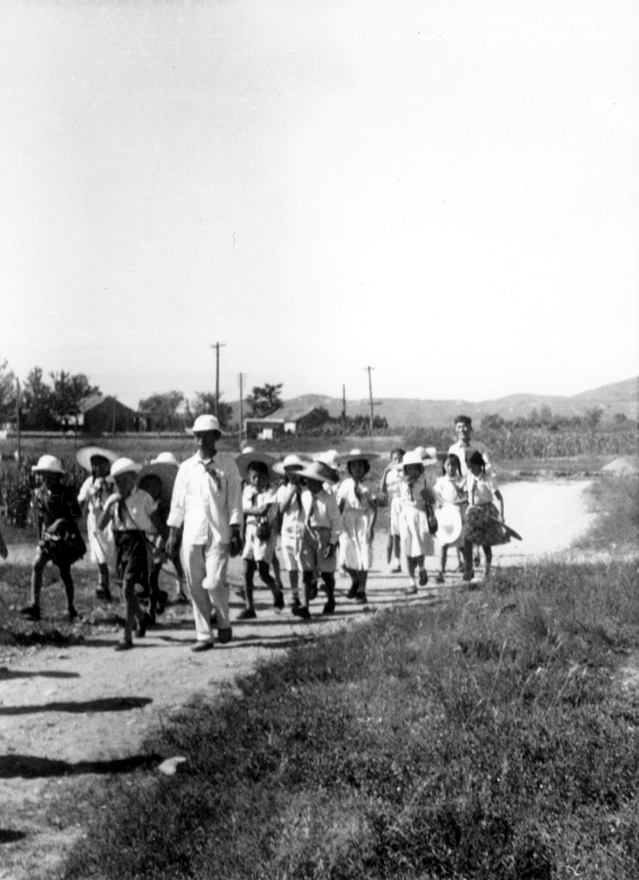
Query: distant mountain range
x=621, y=397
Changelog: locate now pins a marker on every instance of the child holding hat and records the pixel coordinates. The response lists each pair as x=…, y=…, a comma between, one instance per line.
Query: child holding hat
x=92, y=498
x=323, y=525
x=259, y=506
x=289, y=499
x=132, y=512
x=415, y=497
x=56, y=510
x=357, y=502
x=389, y=487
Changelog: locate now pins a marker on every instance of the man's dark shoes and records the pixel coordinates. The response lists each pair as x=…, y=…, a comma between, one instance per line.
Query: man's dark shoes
x=329, y=608
x=198, y=647
x=124, y=645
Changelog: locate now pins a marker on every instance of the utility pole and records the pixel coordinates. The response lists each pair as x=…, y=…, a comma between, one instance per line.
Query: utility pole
x=373, y=403
x=19, y=450
x=343, y=409
x=217, y=346
x=241, y=407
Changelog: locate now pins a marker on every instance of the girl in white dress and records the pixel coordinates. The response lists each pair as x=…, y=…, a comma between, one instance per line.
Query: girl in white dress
x=389, y=488
x=92, y=498
x=357, y=501
x=450, y=489
x=415, y=497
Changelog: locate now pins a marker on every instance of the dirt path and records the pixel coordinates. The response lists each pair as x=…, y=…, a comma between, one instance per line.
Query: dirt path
x=68, y=714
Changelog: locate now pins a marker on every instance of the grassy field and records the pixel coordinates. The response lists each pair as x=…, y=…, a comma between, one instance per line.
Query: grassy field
x=486, y=739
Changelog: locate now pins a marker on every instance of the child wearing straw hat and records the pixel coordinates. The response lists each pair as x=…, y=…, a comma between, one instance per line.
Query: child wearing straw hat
x=92, y=498
x=56, y=510
x=415, y=497
x=259, y=506
x=133, y=512
x=389, y=488
x=289, y=499
x=323, y=525
x=357, y=502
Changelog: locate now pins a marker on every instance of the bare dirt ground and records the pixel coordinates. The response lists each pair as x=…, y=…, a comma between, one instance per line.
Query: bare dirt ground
x=68, y=714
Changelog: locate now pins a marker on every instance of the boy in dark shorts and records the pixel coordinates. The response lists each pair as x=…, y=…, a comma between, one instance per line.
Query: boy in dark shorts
x=133, y=512
x=56, y=510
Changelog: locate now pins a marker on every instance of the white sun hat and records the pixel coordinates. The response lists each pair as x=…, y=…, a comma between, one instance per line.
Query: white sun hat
x=359, y=455
x=205, y=423
x=48, y=464
x=449, y=523
x=291, y=461
x=124, y=466
x=166, y=458
x=87, y=453
x=413, y=457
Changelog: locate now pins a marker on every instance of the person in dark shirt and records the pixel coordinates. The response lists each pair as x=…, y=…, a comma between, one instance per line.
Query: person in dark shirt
x=56, y=510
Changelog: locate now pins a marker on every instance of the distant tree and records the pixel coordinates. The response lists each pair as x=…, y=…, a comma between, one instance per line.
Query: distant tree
x=545, y=416
x=37, y=403
x=68, y=393
x=264, y=400
x=592, y=418
x=620, y=418
x=163, y=409
x=7, y=392
x=492, y=422
x=204, y=402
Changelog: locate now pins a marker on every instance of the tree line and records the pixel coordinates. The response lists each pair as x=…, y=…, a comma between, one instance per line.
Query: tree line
x=55, y=401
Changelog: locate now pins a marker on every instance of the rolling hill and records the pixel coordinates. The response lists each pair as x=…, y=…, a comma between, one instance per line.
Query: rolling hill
x=620, y=397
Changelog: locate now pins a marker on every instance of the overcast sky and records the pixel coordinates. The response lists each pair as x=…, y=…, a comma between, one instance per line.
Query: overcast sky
x=446, y=191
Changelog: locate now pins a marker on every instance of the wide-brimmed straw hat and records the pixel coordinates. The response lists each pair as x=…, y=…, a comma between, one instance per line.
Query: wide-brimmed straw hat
x=358, y=455
x=87, y=453
x=165, y=471
x=449, y=523
x=166, y=458
x=244, y=460
x=48, y=464
x=205, y=423
x=317, y=470
x=413, y=457
x=124, y=466
x=291, y=461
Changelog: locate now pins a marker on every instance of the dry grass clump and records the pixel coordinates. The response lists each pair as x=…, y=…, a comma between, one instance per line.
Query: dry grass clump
x=482, y=740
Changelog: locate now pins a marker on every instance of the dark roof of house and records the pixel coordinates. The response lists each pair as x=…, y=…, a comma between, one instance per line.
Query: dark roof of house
x=285, y=414
x=91, y=403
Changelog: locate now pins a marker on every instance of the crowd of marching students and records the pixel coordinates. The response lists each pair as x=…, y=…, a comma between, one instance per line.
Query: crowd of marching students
x=313, y=517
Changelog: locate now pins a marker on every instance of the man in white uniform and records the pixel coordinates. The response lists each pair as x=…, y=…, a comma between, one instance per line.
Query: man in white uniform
x=207, y=503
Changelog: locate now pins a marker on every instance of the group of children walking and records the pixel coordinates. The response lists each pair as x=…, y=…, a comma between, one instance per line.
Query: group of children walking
x=322, y=513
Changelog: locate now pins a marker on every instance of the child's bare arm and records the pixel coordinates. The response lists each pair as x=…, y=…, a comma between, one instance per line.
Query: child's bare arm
x=160, y=525
x=107, y=514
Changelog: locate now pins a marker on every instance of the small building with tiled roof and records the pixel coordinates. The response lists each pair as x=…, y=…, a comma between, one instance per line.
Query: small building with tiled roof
x=287, y=420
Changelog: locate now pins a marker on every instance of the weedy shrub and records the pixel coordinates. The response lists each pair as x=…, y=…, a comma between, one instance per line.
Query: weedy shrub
x=616, y=500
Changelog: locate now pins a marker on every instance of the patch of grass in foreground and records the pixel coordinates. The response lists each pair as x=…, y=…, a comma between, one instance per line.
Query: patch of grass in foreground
x=483, y=740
